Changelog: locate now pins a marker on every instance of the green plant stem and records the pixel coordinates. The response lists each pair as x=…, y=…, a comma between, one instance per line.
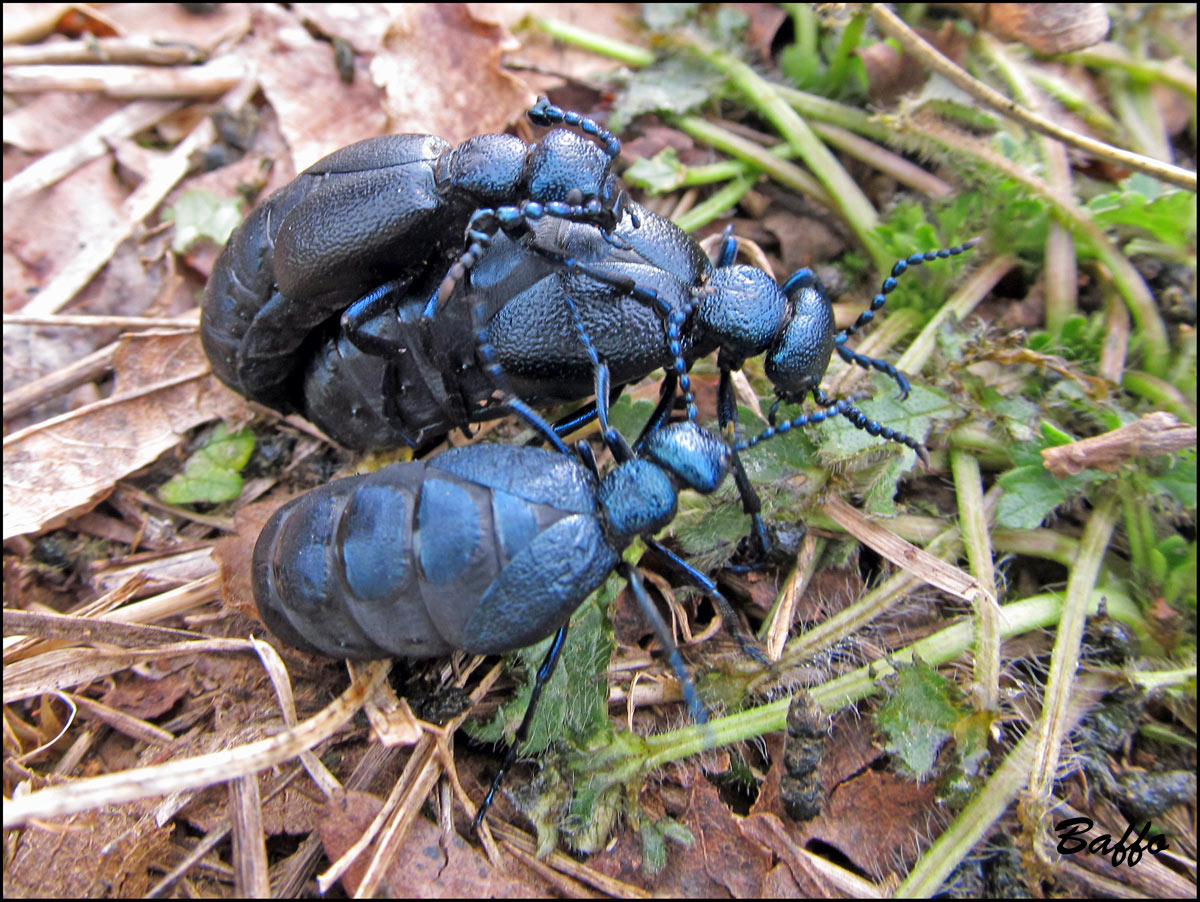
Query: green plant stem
x=629, y=54
x=1017, y=618
x=845, y=197
x=787, y=174
x=1162, y=679
x=968, y=486
x=822, y=109
x=1125, y=278
x=804, y=22
x=1135, y=533
x=1171, y=73
x=879, y=599
x=839, y=65
x=1070, y=97
x=894, y=27
x=630, y=758
x=1160, y=393
x=1060, y=273
x=731, y=169
x=1053, y=727
x=715, y=206
x=975, y=437
x=1041, y=543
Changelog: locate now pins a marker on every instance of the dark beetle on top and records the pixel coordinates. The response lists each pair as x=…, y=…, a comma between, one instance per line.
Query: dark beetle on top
x=384, y=211
x=341, y=296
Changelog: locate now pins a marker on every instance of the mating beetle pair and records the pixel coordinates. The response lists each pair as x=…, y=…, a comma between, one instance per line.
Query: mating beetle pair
x=322, y=300
x=385, y=210
x=489, y=548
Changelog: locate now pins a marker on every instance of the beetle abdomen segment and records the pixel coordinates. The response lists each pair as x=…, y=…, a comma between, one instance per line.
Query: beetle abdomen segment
x=334, y=572
x=540, y=587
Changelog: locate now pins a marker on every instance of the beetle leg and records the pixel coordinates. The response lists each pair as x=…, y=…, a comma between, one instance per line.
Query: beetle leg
x=727, y=416
x=514, y=221
x=666, y=403
x=543, y=677
x=584, y=415
x=545, y=114
x=674, y=319
x=889, y=285
x=709, y=588
x=727, y=252
x=371, y=307
x=613, y=439
x=838, y=408
x=650, y=611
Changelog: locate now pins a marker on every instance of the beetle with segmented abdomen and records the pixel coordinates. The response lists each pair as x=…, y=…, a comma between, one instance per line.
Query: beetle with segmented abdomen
x=476, y=549
x=487, y=548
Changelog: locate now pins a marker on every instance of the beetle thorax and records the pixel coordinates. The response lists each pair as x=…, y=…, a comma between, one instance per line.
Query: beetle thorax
x=635, y=498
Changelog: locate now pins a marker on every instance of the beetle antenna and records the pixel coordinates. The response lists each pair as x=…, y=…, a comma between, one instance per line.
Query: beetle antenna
x=838, y=408
x=546, y=114
x=889, y=285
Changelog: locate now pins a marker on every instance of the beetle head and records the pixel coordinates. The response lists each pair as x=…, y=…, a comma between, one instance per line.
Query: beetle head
x=797, y=361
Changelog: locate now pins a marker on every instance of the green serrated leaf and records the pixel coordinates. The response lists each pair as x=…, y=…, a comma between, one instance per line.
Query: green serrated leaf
x=700, y=527
x=629, y=416
x=202, y=214
x=915, y=416
x=676, y=85
x=659, y=174
x=1031, y=494
x=592, y=818
x=1179, y=482
x=574, y=704
x=919, y=715
x=880, y=497
x=213, y=473
x=1169, y=217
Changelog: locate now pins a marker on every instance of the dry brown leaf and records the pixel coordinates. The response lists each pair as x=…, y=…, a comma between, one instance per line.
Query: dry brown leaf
x=1045, y=27
x=431, y=864
x=65, y=465
x=106, y=853
x=470, y=96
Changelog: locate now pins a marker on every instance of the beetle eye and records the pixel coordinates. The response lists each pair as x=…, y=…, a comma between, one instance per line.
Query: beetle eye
x=575, y=197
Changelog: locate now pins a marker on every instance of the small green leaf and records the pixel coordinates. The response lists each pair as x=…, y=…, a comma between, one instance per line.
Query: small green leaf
x=659, y=174
x=1179, y=482
x=676, y=85
x=629, y=416
x=213, y=473
x=654, y=848
x=920, y=714
x=202, y=214
x=1169, y=217
x=802, y=68
x=574, y=703
x=1030, y=495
